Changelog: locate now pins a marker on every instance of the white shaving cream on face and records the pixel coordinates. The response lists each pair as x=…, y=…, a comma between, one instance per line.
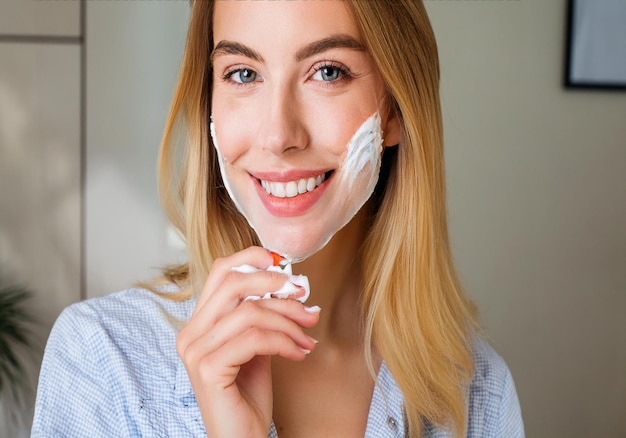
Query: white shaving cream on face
x=225, y=180
x=358, y=176
x=363, y=155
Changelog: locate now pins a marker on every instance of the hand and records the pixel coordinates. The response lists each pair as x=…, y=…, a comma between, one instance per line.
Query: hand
x=227, y=345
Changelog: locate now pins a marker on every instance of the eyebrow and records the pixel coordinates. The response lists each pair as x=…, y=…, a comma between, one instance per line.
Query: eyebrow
x=225, y=47
x=340, y=41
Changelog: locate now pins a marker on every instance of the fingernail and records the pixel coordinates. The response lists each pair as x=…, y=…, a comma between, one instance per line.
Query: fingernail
x=312, y=309
x=305, y=351
x=315, y=341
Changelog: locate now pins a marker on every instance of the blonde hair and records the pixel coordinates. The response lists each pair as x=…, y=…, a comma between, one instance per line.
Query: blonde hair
x=417, y=316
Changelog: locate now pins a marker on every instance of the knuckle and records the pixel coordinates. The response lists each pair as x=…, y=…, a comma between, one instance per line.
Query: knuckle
x=206, y=369
x=186, y=354
x=277, y=277
x=234, y=277
x=255, y=335
x=205, y=364
x=284, y=337
x=220, y=264
x=182, y=352
x=182, y=343
x=249, y=307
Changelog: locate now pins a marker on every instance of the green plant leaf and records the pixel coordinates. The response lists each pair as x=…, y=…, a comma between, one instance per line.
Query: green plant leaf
x=15, y=336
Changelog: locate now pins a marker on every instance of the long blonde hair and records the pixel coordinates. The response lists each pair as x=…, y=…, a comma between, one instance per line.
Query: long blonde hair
x=417, y=316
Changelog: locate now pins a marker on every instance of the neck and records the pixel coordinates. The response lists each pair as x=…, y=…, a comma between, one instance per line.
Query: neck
x=336, y=283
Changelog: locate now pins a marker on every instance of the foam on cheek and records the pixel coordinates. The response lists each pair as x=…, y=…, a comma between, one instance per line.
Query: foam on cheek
x=365, y=149
x=225, y=180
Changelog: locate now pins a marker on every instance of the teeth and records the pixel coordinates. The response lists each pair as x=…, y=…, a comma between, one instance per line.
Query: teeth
x=292, y=188
x=302, y=186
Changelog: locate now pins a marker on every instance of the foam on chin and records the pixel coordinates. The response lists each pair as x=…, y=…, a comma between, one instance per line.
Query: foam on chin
x=359, y=174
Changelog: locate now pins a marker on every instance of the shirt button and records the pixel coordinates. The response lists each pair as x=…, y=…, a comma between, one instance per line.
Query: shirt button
x=392, y=423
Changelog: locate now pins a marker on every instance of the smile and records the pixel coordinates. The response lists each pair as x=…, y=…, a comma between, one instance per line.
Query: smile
x=291, y=189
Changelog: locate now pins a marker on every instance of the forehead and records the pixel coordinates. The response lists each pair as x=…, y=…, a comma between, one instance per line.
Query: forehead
x=282, y=22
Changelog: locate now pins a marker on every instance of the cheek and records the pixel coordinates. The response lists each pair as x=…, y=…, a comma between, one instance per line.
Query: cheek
x=335, y=127
x=232, y=126
x=231, y=138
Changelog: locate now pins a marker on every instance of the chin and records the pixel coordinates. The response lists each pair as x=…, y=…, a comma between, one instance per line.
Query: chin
x=296, y=244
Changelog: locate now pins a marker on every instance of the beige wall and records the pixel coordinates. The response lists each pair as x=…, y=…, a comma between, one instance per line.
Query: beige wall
x=134, y=50
x=537, y=202
x=40, y=161
x=536, y=178
x=40, y=151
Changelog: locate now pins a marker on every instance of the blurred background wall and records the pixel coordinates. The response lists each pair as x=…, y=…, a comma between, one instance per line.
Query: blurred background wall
x=84, y=92
x=537, y=202
x=536, y=181
x=40, y=162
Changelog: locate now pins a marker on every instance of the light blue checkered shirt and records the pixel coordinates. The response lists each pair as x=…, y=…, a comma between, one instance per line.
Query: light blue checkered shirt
x=111, y=370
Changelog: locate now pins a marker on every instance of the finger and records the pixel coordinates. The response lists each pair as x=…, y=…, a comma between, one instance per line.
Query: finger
x=226, y=361
x=264, y=311
x=247, y=316
x=254, y=256
x=294, y=310
x=235, y=287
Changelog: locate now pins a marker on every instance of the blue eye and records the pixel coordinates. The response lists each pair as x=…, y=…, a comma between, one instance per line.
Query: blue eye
x=241, y=75
x=330, y=73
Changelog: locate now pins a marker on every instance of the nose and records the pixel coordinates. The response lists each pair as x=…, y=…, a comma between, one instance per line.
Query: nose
x=283, y=128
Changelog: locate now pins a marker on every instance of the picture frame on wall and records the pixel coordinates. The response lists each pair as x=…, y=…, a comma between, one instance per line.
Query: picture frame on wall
x=596, y=44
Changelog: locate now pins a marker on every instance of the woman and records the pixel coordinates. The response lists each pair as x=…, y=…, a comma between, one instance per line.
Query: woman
x=289, y=109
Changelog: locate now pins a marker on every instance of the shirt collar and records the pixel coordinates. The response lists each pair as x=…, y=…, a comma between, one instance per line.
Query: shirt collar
x=387, y=407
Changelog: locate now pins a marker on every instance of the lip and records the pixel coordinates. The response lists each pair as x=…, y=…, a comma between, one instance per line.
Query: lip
x=289, y=207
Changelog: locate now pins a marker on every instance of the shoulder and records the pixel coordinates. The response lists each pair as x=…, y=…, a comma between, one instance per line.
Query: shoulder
x=119, y=329
x=490, y=370
x=110, y=365
x=134, y=301
x=493, y=406
x=133, y=311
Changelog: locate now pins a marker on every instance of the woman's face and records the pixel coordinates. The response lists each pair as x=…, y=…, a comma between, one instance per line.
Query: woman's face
x=292, y=83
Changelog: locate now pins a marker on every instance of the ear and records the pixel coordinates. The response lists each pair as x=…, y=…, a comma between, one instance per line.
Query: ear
x=391, y=130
